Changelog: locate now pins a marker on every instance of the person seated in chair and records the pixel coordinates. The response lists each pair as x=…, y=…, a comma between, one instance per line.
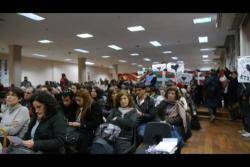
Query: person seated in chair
x=172, y=111
x=89, y=117
x=145, y=107
x=47, y=129
x=15, y=117
x=124, y=116
x=69, y=105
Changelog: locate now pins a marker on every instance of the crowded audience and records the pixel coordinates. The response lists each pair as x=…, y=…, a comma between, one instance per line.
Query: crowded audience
x=42, y=116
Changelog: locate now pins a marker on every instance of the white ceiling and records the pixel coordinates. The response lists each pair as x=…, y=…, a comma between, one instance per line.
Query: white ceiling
x=175, y=31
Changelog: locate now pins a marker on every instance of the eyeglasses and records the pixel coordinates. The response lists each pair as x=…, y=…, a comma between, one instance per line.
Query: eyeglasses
x=27, y=92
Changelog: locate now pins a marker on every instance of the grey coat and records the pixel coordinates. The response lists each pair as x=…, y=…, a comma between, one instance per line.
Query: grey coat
x=15, y=120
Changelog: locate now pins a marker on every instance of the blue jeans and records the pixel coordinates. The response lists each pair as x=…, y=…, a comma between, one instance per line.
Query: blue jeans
x=141, y=129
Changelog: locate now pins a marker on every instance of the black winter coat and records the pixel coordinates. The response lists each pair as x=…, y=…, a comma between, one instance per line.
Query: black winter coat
x=50, y=134
x=127, y=123
x=147, y=108
x=70, y=112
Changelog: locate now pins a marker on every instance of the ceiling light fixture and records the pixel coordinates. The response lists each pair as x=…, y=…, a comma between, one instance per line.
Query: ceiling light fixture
x=122, y=61
x=136, y=28
x=203, y=39
x=86, y=35
x=202, y=20
x=32, y=16
x=115, y=47
x=175, y=58
x=89, y=63
x=105, y=57
x=155, y=43
x=134, y=54
x=45, y=41
x=39, y=55
x=81, y=50
x=167, y=52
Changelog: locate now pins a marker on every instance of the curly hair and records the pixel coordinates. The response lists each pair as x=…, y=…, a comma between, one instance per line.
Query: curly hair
x=50, y=103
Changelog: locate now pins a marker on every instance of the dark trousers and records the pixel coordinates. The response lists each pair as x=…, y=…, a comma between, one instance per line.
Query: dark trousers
x=245, y=111
x=85, y=141
x=212, y=110
x=233, y=109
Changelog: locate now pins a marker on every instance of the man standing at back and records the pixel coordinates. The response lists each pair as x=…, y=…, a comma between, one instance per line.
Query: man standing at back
x=26, y=83
x=64, y=82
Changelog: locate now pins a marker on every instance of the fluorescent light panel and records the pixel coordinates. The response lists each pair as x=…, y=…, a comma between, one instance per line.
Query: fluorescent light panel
x=134, y=54
x=86, y=35
x=147, y=59
x=156, y=62
x=203, y=39
x=67, y=59
x=204, y=56
x=167, y=52
x=105, y=57
x=202, y=20
x=122, y=61
x=207, y=49
x=39, y=55
x=45, y=41
x=115, y=47
x=32, y=16
x=175, y=58
x=89, y=63
x=81, y=50
x=136, y=28
x=155, y=43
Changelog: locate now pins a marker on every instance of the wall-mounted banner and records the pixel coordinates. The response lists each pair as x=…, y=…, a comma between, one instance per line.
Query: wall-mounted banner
x=244, y=69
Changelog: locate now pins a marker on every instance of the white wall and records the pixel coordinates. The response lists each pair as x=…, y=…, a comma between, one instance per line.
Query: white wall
x=126, y=69
x=38, y=71
x=95, y=73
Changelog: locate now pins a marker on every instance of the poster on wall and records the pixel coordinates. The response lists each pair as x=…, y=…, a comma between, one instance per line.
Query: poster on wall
x=4, y=78
x=244, y=69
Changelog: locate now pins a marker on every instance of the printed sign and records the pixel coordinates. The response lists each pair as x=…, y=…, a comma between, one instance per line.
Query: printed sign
x=244, y=69
x=184, y=78
x=175, y=68
x=159, y=67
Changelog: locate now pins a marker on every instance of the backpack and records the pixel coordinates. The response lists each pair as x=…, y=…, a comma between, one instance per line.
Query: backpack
x=108, y=131
x=195, y=123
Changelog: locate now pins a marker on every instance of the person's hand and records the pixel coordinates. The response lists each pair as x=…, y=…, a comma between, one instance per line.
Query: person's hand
x=140, y=114
x=74, y=124
x=28, y=143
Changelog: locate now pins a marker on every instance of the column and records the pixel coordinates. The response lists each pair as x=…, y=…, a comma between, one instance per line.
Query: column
x=81, y=69
x=15, y=65
x=115, y=71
